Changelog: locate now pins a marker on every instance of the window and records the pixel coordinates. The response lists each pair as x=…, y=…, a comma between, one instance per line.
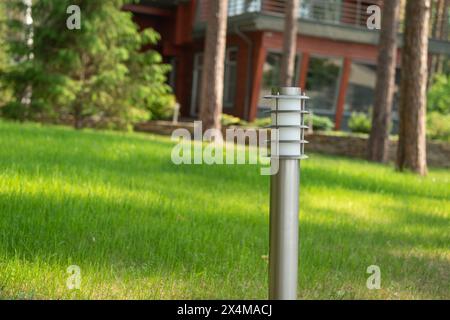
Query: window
x=271, y=75
x=229, y=93
x=361, y=87
x=230, y=80
x=322, y=84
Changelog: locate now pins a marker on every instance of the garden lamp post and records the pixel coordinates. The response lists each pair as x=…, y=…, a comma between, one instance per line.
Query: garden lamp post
x=287, y=147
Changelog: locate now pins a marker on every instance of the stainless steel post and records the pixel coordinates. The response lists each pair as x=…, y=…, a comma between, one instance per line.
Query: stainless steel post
x=284, y=204
x=283, y=253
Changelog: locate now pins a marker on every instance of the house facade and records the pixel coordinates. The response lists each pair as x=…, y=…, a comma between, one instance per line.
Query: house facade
x=336, y=53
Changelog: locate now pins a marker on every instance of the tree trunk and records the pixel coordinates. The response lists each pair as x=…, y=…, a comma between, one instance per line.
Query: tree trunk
x=444, y=24
x=412, y=136
x=436, y=13
x=211, y=102
x=78, y=117
x=443, y=35
x=289, y=43
x=378, y=148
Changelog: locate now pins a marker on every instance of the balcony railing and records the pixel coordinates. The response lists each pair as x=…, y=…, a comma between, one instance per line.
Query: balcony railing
x=340, y=12
x=349, y=12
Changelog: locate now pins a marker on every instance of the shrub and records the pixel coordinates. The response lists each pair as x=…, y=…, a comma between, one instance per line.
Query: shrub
x=360, y=123
x=100, y=87
x=162, y=107
x=439, y=95
x=262, y=122
x=229, y=120
x=320, y=123
x=438, y=126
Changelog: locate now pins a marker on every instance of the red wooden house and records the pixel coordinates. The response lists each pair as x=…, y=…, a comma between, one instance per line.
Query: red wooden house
x=336, y=53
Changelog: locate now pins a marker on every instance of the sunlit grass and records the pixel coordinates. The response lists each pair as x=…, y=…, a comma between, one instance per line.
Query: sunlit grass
x=140, y=227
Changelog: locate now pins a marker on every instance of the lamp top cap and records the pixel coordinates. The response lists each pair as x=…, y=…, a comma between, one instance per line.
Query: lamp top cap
x=287, y=91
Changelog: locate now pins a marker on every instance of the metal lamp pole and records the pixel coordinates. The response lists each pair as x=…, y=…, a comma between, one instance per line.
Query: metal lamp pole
x=287, y=115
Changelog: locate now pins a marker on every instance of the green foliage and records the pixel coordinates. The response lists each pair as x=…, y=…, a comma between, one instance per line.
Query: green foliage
x=438, y=126
x=4, y=61
x=229, y=120
x=360, y=123
x=438, y=116
x=320, y=123
x=322, y=73
x=96, y=75
x=162, y=107
x=439, y=95
x=262, y=122
x=3, y=32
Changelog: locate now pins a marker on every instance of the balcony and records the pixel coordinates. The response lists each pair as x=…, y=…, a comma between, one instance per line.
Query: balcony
x=341, y=12
x=344, y=20
x=335, y=12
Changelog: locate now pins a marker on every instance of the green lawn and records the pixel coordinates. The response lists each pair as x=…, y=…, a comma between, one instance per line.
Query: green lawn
x=140, y=227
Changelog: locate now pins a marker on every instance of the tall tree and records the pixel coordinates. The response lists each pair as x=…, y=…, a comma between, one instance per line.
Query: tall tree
x=3, y=33
x=94, y=73
x=211, y=97
x=439, y=31
x=412, y=134
x=289, y=42
x=378, y=148
x=442, y=33
x=3, y=52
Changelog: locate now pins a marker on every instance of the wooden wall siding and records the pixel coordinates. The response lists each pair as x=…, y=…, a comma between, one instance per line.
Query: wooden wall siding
x=259, y=58
x=184, y=23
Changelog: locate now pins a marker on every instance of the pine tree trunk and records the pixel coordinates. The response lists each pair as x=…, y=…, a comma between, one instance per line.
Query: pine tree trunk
x=78, y=122
x=443, y=34
x=211, y=102
x=412, y=136
x=436, y=19
x=378, y=148
x=289, y=43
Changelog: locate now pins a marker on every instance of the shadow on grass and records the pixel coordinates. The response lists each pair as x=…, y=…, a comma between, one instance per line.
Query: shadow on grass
x=155, y=236
x=152, y=240
x=324, y=176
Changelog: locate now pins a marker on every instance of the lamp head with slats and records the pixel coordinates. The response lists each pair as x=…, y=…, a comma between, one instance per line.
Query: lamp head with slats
x=288, y=127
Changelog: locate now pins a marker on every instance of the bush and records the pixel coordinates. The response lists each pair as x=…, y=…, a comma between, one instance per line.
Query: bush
x=320, y=123
x=439, y=95
x=262, y=122
x=162, y=107
x=360, y=123
x=229, y=120
x=438, y=126
x=100, y=88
